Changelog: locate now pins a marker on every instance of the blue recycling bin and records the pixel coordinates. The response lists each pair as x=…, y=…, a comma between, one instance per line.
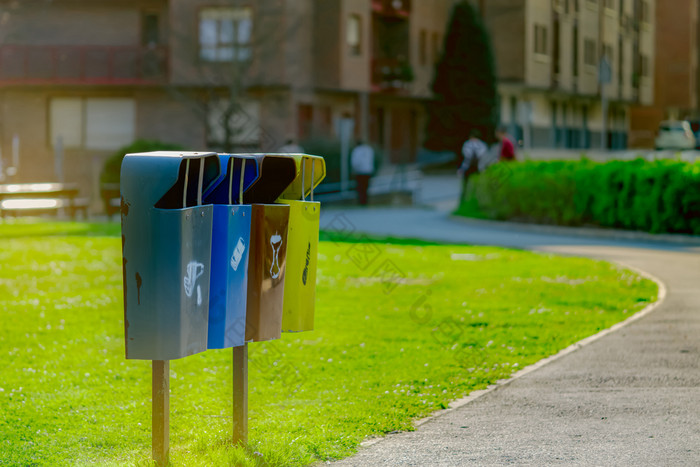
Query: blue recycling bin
x=230, y=251
x=166, y=247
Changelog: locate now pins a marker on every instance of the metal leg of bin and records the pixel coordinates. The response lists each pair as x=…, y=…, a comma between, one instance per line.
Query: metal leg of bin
x=161, y=411
x=240, y=394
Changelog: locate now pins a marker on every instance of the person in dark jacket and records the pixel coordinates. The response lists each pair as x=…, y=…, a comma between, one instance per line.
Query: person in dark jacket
x=475, y=152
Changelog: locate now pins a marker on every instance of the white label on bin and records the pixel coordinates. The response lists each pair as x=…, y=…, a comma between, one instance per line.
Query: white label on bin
x=276, y=242
x=237, y=255
x=194, y=271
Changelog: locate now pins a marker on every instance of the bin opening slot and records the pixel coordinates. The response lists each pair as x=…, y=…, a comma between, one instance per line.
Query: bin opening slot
x=276, y=173
x=186, y=192
x=312, y=170
x=219, y=194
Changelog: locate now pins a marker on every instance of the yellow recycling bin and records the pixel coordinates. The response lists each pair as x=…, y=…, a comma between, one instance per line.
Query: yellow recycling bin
x=302, y=244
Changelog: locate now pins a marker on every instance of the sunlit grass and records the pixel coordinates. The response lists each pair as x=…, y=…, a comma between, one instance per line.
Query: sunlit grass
x=395, y=340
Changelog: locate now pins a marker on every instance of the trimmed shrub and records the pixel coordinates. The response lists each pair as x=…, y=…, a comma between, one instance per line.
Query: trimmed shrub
x=658, y=196
x=112, y=168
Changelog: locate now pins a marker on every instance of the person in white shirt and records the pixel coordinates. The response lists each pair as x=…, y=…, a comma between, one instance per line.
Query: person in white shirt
x=362, y=162
x=475, y=154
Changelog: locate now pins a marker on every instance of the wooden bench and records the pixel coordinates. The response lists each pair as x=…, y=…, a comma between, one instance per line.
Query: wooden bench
x=35, y=206
x=111, y=197
x=42, y=198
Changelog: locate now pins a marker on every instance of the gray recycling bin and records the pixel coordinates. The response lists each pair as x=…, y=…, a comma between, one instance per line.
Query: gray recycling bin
x=166, y=246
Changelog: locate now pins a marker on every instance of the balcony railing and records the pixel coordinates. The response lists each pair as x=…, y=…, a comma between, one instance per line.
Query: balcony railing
x=397, y=8
x=391, y=75
x=100, y=65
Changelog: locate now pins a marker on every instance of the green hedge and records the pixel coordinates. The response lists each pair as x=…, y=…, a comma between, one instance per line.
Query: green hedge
x=111, y=170
x=657, y=196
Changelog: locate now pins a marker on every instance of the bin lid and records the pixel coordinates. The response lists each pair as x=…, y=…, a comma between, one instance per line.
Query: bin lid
x=310, y=164
x=277, y=172
x=218, y=193
x=158, y=177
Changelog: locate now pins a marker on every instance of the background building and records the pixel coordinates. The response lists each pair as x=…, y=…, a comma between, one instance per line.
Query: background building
x=80, y=78
x=548, y=55
x=675, y=72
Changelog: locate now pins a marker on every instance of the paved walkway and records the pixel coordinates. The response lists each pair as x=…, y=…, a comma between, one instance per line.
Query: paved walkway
x=629, y=398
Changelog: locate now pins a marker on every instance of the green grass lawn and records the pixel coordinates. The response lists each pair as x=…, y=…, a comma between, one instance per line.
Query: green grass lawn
x=395, y=340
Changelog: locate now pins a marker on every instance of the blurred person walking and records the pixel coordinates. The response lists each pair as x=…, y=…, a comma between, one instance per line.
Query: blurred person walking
x=362, y=162
x=475, y=154
x=507, y=152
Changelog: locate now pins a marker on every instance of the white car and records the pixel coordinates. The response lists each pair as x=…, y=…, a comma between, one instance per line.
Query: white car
x=675, y=135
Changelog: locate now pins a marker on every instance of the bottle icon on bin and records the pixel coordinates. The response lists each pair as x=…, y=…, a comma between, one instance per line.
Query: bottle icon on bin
x=237, y=254
x=276, y=243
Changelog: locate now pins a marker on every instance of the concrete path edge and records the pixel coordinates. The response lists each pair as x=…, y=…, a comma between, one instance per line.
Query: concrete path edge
x=456, y=404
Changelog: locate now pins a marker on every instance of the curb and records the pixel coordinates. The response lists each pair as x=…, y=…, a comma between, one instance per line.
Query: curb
x=612, y=234
x=456, y=404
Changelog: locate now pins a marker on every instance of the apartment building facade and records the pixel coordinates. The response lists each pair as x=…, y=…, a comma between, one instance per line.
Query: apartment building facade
x=81, y=78
x=675, y=72
x=550, y=56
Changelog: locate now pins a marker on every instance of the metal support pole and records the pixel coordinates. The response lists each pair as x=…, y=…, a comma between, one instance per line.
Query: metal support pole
x=161, y=412
x=240, y=394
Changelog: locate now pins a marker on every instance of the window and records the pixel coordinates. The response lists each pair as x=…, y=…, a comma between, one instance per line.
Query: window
x=608, y=52
x=555, y=45
x=423, y=46
x=540, y=39
x=644, y=65
x=574, y=50
x=589, y=52
x=66, y=117
x=644, y=12
x=436, y=47
x=225, y=34
x=305, y=119
x=620, y=62
x=94, y=123
x=150, y=31
x=354, y=34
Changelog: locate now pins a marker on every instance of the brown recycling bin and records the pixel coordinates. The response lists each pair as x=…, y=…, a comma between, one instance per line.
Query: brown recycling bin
x=266, y=268
x=268, y=247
